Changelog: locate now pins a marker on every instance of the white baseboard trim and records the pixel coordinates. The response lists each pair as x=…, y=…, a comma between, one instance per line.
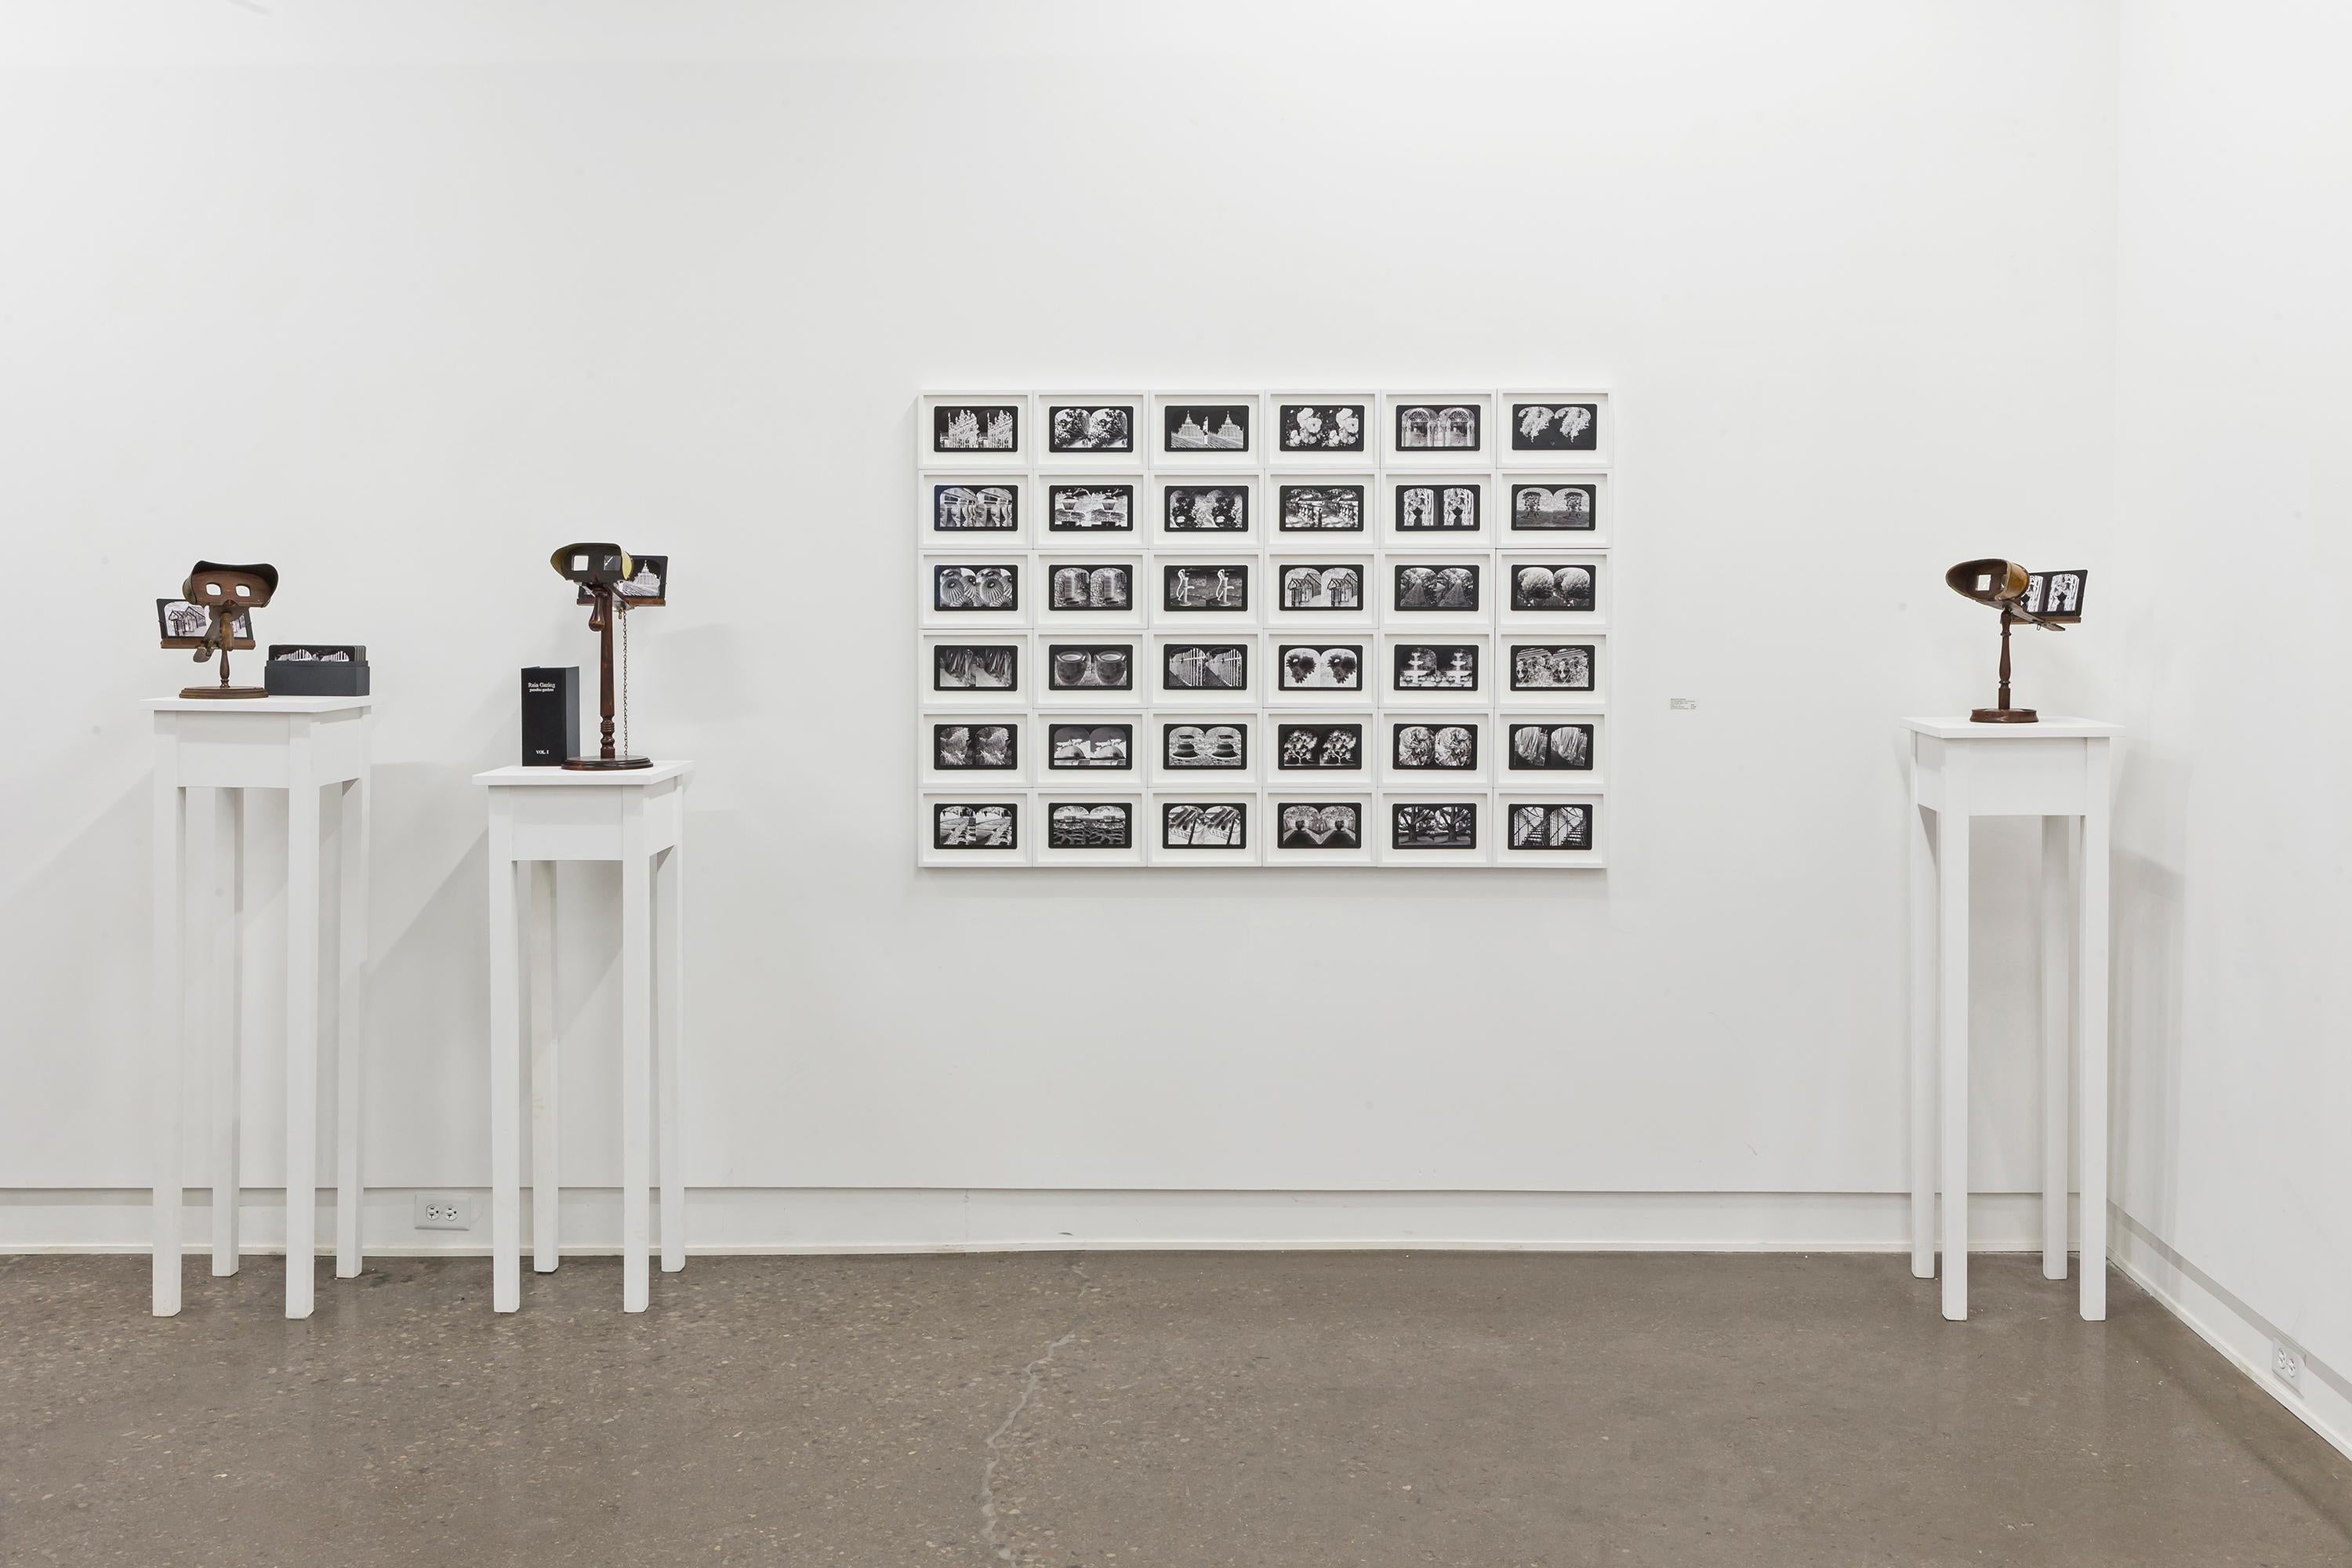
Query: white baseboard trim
x=772, y=1220
x=2323, y=1401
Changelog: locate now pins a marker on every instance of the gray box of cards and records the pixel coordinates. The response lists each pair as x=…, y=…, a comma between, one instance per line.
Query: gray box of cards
x=316, y=669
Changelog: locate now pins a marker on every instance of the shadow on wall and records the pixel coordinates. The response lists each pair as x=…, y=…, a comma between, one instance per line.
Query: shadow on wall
x=2145, y=1032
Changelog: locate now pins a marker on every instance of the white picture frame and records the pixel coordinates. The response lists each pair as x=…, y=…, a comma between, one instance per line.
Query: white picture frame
x=1051, y=818
x=955, y=509
x=1327, y=413
x=977, y=772
x=1089, y=417
x=1436, y=733
x=1189, y=670
x=1089, y=656
x=1416, y=825
x=1189, y=749
x=1078, y=589
x=1514, y=849
x=1531, y=426
x=1205, y=492
x=1424, y=430
x=946, y=838
x=1200, y=823
x=941, y=426
x=1313, y=589
x=1555, y=604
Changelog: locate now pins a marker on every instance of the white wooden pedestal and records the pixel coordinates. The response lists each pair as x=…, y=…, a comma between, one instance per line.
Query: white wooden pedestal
x=217, y=750
x=2056, y=770
x=538, y=816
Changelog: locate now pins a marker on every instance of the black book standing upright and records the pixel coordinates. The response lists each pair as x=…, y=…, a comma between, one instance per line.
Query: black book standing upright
x=550, y=716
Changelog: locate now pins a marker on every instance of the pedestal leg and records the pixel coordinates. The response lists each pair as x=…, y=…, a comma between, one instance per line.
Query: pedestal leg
x=670, y=1041
x=505, y=1068
x=302, y=899
x=222, y=1008
x=2091, y=1029
x=1923, y=998
x=1952, y=832
x=169, y=1022
x=637, y=1077
x=350, y=1019
x=546, y=1197
x=2055, y=1052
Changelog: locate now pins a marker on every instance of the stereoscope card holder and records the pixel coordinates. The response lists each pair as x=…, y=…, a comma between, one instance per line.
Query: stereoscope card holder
x=1265, y=628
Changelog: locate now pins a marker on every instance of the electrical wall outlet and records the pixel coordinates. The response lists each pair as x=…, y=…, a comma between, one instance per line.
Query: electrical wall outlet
x=443, y=1211
x=2286, y=1363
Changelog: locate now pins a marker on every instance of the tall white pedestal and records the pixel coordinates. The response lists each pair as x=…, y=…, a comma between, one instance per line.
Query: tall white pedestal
x=2057, y=770
x=209, y=753
x=538, y=816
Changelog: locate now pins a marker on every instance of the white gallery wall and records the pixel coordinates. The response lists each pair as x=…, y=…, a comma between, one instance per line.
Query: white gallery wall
x=402, y=298
x=2233, y=893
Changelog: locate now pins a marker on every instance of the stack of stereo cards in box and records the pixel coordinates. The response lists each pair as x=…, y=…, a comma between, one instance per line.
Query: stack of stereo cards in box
x=1252, y=628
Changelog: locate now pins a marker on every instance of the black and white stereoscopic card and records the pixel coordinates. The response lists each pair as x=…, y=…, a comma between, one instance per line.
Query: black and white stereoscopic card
x=959, y=589
x=1555, y=507
x=1220, y=588
x=1438, y=426
x=1319, y=825
x=1204, y=667
x=1203, y=825
x=1204, y=748
x=1551, y=747
x=1561, y=426
x=1206, y=509
x=975, y=824
x=1301, y=428
x=975, y=666
x=1434, y=666
x=1431, y=507
x=1538, y=826
x=1090, y=667
x=968, y=427
x=1096, y=825
x=182, y=623
x=1323, y=586
x=1433, y=747
x=1319, y=667
x=1319, y=748
x=1090, y=586
x=978, y=747
x=1090, y=509
x=975, y=507
x=1452, y=586
x=1553, y=667
x=2055, y=596
x=1321, y=509
x=1547, y=586
x=1090, y=747
x=1089, y=426
x=1205, y=427
x=1434, y=825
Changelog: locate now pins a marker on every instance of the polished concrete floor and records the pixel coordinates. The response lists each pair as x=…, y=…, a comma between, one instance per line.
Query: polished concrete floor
x=1129, y=1409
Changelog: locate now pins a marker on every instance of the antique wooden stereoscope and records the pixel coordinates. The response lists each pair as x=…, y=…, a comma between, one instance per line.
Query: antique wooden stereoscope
x=2051, y=600
x=215, y=614
x=611, y=582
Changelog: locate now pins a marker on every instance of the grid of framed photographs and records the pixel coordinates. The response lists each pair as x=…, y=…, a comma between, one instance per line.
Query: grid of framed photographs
x=1220, y=628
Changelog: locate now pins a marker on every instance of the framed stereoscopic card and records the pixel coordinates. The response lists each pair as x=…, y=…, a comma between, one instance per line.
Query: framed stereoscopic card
x=963, y=669
x=1437, y=590
x=1091, y=429
x=1542, y=509
x=1562, y=670
x=1435, y=751
x=963, y=750
x=1308, y=823
x=1093, y=505
x=1214, y=669
x=1564, y=428
x=1322, y=744
x=1089, y=829
x=181, y=623
x=1439, y=429
x=1208, y=588
x=1086, y=590
x=1435, y=829
x=1214, y=512
x=1204, y=829
x=1217, y=751
x=1437, y=511
x=1317, y=427
x=1090, y=671
x=1537, y=829
x=1319, y=590
x=1562, y=747
x=1554, y=588
x=1320, y=507
x=973, y=826
x=979, y=592
x=975, y=429
x=972, y=511
x=1196, y=429
x=1435, y=670
x=1084, y=747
